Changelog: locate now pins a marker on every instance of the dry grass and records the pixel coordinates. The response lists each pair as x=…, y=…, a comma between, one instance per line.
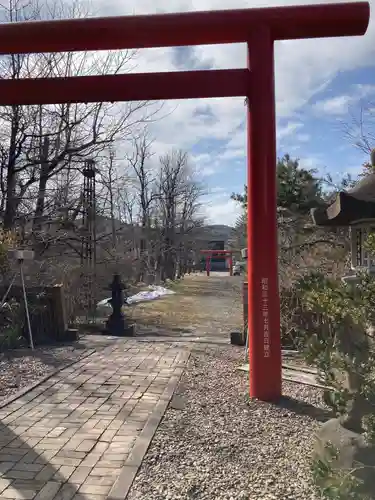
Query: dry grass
x=202, y=305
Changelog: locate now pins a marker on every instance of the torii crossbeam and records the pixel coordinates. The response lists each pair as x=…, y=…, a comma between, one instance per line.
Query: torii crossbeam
x=258, y=28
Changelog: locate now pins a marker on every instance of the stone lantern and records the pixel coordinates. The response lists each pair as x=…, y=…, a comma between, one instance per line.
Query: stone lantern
x=354, y=209
x=117, y=324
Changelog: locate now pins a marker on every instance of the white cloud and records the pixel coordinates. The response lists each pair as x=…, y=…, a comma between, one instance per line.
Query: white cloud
x=338, y=105
x=365, y=90
x=207, y=171
x=288, y=130
x=303, y=137
x=310, y=163
x=221, y=210
x=341, y=104
x=233, y=154
x=354, y=170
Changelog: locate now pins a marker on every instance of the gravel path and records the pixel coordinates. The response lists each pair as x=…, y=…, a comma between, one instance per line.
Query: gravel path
x=219, y=445
x=23, y=367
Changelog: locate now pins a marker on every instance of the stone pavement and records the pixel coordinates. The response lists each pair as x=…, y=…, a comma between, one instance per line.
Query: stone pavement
x=82, y=434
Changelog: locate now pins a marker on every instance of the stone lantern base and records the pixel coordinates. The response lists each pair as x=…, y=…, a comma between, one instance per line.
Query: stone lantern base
x=354, y=454
x=119, y=328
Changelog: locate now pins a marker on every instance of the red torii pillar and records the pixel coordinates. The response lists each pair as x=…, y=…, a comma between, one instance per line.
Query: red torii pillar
x=259, y=28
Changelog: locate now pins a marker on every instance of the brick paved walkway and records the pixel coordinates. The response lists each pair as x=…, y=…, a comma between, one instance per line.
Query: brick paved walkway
x=82, y=434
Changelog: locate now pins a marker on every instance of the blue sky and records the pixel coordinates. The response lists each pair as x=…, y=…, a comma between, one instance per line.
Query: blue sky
x=329, y=119
x=320, y=86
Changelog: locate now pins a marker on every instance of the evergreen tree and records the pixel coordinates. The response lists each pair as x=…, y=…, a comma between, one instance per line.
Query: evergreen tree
x=298, y=189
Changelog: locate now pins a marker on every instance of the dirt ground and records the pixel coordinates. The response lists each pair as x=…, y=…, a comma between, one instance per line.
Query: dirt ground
x=202, y=306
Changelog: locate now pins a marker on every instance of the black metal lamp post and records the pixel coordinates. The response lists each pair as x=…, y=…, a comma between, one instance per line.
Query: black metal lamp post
x=117, y=323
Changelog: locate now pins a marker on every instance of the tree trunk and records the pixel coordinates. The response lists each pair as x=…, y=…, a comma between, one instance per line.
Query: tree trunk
x=142, y=255
x=40, y=203
x=12, y=202
x=43, y=179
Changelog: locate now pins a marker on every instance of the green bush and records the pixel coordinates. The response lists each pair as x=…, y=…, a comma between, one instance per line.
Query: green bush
x=342, y=349
x=11, y=325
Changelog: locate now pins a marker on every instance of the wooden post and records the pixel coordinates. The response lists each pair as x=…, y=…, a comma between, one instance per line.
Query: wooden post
x=64, y=333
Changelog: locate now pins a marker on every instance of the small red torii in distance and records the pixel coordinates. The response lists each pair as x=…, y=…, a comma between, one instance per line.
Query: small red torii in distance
x=212, y=253
x=259, y=29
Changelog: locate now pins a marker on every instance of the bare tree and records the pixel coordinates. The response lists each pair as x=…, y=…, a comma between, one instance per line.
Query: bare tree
x=188, y=220
x=111, y=181
x=38, y=142
x=179, y=194
x=360, y=130
x=144, y=186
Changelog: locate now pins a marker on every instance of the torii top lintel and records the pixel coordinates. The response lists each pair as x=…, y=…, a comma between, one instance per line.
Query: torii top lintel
x=181, y=29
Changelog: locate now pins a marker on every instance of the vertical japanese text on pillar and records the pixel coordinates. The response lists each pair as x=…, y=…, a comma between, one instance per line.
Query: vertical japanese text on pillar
x=266, y=330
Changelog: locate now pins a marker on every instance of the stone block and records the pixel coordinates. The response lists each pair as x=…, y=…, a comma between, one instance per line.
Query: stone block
x=354, y=454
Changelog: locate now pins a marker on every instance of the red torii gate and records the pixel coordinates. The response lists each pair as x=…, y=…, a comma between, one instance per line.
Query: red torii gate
x=258, y=28
x=212, y=253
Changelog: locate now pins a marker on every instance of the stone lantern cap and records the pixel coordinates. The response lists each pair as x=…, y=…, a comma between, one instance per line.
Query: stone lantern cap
x=353, y=206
